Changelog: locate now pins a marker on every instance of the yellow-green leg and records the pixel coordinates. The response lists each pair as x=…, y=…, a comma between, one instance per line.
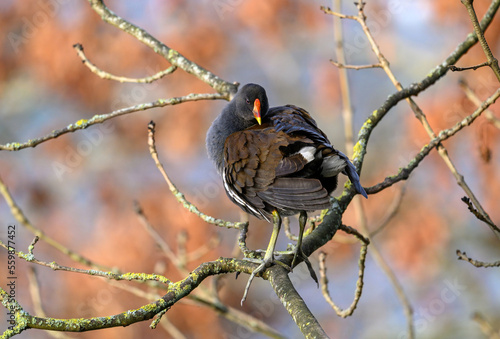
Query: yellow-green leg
x=298, y=248
x=269, y=256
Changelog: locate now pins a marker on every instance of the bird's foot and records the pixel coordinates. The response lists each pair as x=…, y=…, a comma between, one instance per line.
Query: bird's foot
x=297, y=252
x=263, y=265
x=260, y=269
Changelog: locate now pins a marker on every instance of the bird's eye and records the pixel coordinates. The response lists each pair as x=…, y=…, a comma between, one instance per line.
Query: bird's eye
x=248, y=101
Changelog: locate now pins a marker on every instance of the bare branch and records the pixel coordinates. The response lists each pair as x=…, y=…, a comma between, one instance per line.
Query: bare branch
x=463, y=256
x=99, y=119
x=156, y=237
x=454, y=68
x=355, y=67
x=417, y=87
x=474, y=98
x=405, y=172
x=359, y=283
x=176, y=291
x=288, y=231
x=492, y=61
x=226, y=89
x=353, y=231
x=419, y=114
x=347, y=113
x=478, y=215
x=105, y=75
x=328, y=10
x=392, y=211
x=179, y=195
x=110, y=275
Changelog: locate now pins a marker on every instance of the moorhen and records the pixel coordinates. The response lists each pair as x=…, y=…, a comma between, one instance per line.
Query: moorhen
x=275, y=162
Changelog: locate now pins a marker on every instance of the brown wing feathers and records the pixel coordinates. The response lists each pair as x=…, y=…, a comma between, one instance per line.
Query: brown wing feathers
x=261, y=171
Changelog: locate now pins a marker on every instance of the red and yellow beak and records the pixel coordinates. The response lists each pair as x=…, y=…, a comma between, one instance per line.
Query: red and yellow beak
x=256, y=111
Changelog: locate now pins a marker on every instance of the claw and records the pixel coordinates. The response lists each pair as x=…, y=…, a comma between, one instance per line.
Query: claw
x=260, y=269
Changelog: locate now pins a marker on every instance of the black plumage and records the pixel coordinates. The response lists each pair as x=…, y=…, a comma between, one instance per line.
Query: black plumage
x=275, y=162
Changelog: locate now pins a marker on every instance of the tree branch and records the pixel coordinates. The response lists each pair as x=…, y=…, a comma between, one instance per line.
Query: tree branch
x=476, y=101
x=405, y=172
x=99, y=119
x=415, y=88
x=492, y=61
x=294, y=304
x=105, y=75
x=359, y=283
x=175, y=58
x=175, y=292
x=463, y=256
x=179, y=195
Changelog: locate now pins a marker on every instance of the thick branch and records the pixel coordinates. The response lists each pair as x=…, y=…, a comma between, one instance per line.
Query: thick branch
x=175, y=292
x=294, y=304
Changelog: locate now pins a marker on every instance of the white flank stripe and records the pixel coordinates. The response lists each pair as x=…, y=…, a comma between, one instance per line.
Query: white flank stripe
x=308, y=153
x=237, y=198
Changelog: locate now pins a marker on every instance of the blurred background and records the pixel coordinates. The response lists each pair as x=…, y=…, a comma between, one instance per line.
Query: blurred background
x=80, y=188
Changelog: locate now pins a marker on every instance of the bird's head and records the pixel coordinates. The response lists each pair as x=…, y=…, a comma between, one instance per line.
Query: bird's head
x=251, y=102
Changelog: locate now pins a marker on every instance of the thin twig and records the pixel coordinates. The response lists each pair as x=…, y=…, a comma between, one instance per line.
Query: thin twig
x=347, y=113
x=463, y=256
x=179, y=195
x=492, y=61
x=359, y=283
x=242, y=237
x=239, y=317
x=476, y=101
x=156, y=237
x=392, y=211
x=355, y=67
x=417, y=87
x=398, y=288
x=360, y=213
x=454, y=68
x=352, y=231
x=105, y=75
x=478, y=215
x=328, y=10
